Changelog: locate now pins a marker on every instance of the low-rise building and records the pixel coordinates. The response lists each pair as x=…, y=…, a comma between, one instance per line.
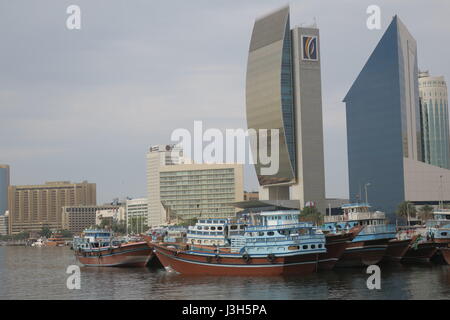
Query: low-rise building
x=136, y=215
x=77, y=218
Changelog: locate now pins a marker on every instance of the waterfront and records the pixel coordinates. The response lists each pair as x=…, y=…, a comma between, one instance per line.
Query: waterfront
x=40, y=273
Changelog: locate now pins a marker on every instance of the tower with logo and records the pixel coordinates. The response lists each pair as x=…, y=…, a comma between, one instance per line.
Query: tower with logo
x=283, y=91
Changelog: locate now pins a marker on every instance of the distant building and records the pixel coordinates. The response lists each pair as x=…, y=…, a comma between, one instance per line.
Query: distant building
x=77, y=218
x=4, y=224
x=384, y=129
x=34, y=206
x=434, y=120
x=159, y=156
x=110, y=215
x=137, y=215
x=4, y=184
x=252, y=195
x=200, y=190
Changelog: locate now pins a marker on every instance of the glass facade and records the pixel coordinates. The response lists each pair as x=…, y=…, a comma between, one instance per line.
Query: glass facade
x=199, y=193
x=435, y=121
x=383, y=120
x=4, y=184
x=269, y=91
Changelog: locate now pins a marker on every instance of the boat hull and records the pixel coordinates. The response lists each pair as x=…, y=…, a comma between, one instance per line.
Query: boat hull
x=423, y=252
x=336, y=245
x=128, y=255
x=396, y=250
x=363, y=253
x=445, y=254
x=187, y=262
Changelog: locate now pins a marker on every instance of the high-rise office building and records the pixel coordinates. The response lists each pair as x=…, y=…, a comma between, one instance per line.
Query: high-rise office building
x=384, y=130
x=34, y=206
x=283, y=91
x=4, y=184
x=157, y=157
x=434, y=120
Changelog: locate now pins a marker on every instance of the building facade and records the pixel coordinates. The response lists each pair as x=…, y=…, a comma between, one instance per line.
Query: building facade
x=4, y=224
x=190, y=191
x=80, y=217
x=34, y=206
x=159, y=156
x=283, y=92
x=4, y=184
x=251, y=195
x=434, y=120
x=137, y=215
x=384, y=128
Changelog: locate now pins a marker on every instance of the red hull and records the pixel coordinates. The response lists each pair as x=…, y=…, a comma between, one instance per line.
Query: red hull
x=396, y=250
x=445, y=254
x=197, y=264
x=128, y=255
x=336, y=245
x=422, y=253
x=363, y=253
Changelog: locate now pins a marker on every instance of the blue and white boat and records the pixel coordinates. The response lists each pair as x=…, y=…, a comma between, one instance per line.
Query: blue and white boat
x=370, y=245
x=273, y=243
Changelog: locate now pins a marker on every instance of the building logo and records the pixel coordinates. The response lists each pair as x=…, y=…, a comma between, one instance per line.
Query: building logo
x=309, y=48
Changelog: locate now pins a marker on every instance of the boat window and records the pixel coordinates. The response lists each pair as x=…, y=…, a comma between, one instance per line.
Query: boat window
x=213, y=228
x=270, y=233
x=233, y=227
x=206, y=228
x=219, y=228
x=305, y=247
x=199, y=228
x=293, y=248
x=313, y=246
x=320, y=246
x=443, y=233
x=261, y=234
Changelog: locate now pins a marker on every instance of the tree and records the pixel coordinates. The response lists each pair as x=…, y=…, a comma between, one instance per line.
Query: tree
x=66, y=234
x=426, y=212
x=406, y=209
x=311, y=214
x=45, y=232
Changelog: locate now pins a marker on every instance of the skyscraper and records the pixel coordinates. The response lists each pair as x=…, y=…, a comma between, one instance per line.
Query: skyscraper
x=384, y=129
x=434, y=120
x=283, y=91
x=4, y=184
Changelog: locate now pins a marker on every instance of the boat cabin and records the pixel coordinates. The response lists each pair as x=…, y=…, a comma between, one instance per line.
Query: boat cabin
x=214, y=231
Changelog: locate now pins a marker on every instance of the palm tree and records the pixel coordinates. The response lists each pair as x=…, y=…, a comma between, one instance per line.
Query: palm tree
x=406, y=209
x=311, y=214
x=425, y=212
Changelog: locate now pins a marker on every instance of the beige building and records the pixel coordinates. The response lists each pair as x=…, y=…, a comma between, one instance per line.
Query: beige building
x=200, y=190
x=159, y=156
x=78, y=218
x=251, y=195
x=35, y=206
x=4, y=225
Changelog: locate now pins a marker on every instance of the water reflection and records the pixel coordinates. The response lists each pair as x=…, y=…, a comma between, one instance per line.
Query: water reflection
x=40, y=273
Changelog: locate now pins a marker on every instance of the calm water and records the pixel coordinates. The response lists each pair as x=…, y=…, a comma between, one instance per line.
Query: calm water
x=40, y=273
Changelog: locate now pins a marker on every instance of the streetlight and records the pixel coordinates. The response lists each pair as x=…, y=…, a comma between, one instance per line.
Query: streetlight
x=365, y=187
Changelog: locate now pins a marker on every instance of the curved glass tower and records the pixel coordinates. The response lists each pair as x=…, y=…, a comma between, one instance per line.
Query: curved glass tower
x=434, y=118
x=283, y=91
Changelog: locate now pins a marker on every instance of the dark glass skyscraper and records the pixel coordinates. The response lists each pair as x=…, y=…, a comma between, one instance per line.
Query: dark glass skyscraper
x=384, y=127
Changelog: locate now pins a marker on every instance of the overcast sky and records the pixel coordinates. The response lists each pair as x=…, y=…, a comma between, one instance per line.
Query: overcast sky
x=87, y=104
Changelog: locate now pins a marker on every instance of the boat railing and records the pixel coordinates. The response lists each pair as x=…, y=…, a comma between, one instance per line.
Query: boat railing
x=237, y=243
x=281, y=226
x=355, y=216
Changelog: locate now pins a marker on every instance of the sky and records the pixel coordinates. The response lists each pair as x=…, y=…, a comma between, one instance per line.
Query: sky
x=87, y=104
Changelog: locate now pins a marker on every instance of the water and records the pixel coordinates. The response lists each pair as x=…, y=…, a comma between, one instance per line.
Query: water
x=40, y=273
